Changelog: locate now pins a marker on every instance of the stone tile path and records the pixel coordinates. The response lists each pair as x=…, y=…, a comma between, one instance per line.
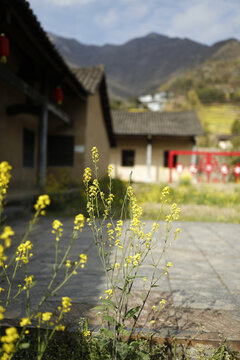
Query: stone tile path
x=202, y=290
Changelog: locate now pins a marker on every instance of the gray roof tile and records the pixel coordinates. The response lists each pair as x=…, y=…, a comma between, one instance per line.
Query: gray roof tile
x=156, y=123
x=89, y=77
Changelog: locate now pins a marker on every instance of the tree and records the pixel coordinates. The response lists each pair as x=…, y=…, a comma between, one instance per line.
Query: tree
x=193, y=99
x=235, y=130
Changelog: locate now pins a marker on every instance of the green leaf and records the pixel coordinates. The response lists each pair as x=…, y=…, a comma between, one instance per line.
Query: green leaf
x=99, y=307
x=132, y=312
x=110, y=319
x=107, y=332
x=124, y=331
x=154, y=286
x=108, y=302
x=122, y=350
x=24, y=346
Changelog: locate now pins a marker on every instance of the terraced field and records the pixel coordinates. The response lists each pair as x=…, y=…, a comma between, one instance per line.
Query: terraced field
x=218, y=118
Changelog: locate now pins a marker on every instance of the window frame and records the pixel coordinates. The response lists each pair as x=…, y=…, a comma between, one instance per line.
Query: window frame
x=165, y=159
x=55, y=150
x=128, y=157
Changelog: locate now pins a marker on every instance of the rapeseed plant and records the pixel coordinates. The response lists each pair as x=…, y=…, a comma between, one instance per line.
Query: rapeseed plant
x=12, y=340
x=123, y=247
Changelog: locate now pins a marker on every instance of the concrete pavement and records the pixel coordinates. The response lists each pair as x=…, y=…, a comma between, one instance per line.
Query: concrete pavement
x=202, y=290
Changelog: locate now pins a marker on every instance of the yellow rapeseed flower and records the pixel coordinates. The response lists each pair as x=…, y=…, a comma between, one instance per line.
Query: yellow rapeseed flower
x=8, y=340
x=42, y=202
x=83, y=260
x=28, y=280
x=57, y=229
x=60, y=327
x=87, y=176
x=22, y=253
x=68, y=264
x=109, y=293
x=25, y=321
x=117, y=266
x=95, y=155
x=110, y=170
x=46, y=316
x=79, y=222
x=2, y=310
x=5, y=236
x=4, y=178
x=66, y=304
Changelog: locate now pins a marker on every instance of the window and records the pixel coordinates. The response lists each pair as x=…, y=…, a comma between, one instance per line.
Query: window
x=166, y=152
x=60, y=150
x=127, y=157
x=28, y=148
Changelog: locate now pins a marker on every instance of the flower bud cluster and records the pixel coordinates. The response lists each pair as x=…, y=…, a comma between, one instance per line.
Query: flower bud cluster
x=42, y=202
x=8, y=341
x=57, y=229
x=79, y=222
x=174, y=215
x=5, y=236
x=95, y=155
x=83, y=260
x=22, y=253
x=87, y=176
x=4, y=177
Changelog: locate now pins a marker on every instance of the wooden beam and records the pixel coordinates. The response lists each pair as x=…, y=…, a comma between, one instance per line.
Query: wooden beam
x=13, y=80
x=24, y=108
x=58, y=112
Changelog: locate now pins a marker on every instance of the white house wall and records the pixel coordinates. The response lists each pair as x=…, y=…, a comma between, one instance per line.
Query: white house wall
x=158, y=173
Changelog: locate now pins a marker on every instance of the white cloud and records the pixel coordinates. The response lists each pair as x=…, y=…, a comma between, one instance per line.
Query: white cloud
x=117, y=21
x=63, y=2
x=109, y=19
x=206, y=21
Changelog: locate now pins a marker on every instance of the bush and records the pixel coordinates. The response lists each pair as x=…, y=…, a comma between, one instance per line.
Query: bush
x=209, y=95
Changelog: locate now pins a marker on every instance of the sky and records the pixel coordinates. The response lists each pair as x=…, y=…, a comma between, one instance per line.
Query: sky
x=117, y=21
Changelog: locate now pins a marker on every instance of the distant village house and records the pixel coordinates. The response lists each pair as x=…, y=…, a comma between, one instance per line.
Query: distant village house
x=143, y=141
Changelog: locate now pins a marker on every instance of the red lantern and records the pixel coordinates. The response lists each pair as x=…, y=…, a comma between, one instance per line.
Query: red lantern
x=236, y=171
x=4, y=48
x=224, y=170
x=193, y=169
x=179, y=168
x=59, y=95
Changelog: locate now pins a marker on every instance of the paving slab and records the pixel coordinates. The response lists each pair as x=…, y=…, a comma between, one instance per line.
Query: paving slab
x=202, y=290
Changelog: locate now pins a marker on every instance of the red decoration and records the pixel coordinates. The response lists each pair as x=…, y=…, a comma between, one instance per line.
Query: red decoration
x=179, y=168
x=224, y=170
x=236, y=171
x=208, y=159
x=4, y=48
x=193, y=169
x=59, y=95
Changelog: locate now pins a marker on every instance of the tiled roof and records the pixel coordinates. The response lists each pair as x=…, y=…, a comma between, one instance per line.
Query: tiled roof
x=89, y=77
x=156, y=123
x=24, y=10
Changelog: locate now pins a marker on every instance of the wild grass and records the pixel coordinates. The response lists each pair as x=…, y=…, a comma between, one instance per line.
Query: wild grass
x=200, y=202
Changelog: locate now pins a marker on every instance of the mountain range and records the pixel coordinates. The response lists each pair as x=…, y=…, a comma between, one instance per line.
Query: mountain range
x=141, y=65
